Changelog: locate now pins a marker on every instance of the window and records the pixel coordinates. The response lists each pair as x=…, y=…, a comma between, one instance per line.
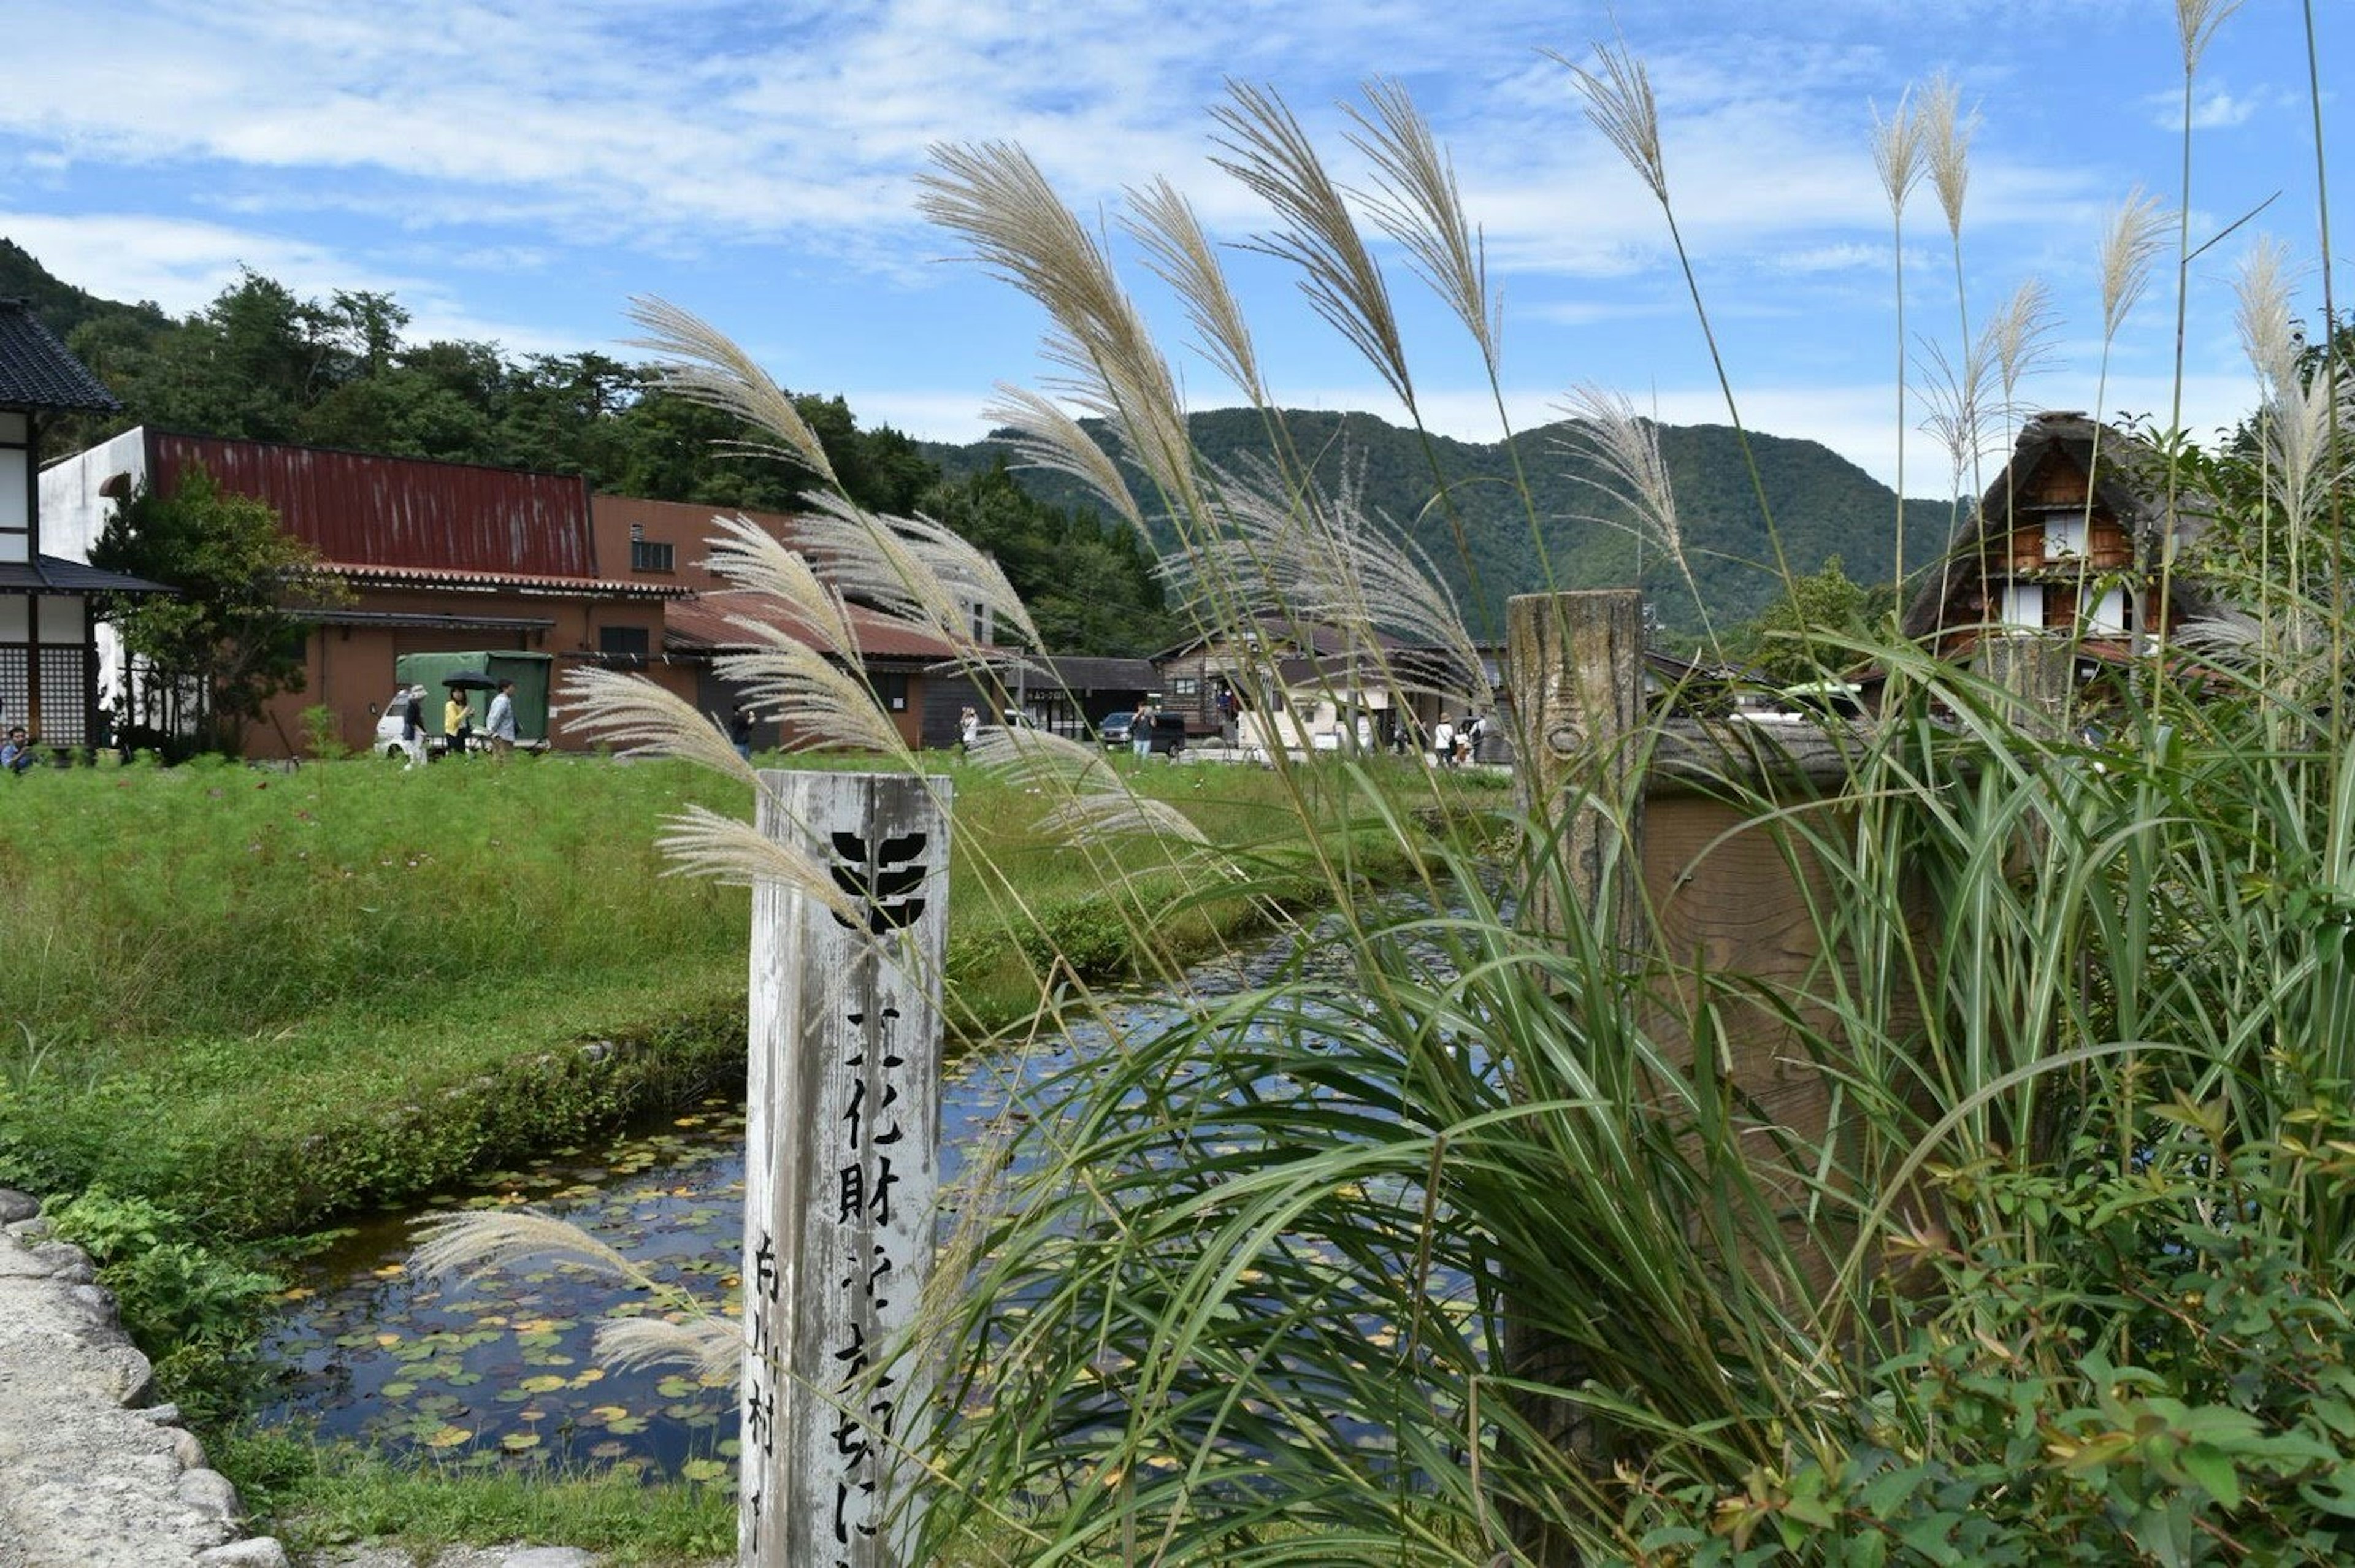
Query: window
x=1187, y=686
x=645, y=555
x=891, y=690
x=980, y=613
x=2113, y=614
x=2064, y=538
x=2023, y=605
x=628, y=642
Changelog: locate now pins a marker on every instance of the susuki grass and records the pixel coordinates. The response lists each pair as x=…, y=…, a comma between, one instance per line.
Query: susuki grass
x=1451, y=1241
x=1457, y=1243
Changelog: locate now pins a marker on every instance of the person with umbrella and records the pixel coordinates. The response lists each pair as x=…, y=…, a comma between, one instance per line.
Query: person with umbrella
x=457, y=719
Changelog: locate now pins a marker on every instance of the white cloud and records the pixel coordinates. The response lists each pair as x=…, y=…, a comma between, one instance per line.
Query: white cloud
x=2216, y=109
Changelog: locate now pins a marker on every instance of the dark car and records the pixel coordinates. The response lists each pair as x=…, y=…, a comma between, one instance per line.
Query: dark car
x=1168, y=734
x=1113, y=731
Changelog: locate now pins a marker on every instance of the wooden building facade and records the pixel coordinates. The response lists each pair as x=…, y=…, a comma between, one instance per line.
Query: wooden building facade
x=2066, y=542
x=49, y=604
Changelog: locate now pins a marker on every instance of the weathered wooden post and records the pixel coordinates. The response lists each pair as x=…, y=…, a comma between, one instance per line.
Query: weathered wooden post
x=1574, y=664
x=1672, y=840
x=839, y=1168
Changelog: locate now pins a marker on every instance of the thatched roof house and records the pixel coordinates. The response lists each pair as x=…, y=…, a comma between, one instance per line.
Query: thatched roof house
x=2068, y=540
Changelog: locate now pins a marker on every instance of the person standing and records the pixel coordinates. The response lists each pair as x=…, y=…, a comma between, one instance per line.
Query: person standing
x=501, y=722
x=457, y=721
x=413, y=727
x=968, y=727
x=1443, y=743
x=1140, y=729
x=739, y=731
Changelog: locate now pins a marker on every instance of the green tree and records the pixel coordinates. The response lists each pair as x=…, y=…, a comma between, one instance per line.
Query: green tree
x=225, y=643
x=1800, y=636
x=1088, y=583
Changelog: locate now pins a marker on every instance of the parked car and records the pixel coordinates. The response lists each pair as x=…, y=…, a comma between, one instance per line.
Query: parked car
x=1113, y=731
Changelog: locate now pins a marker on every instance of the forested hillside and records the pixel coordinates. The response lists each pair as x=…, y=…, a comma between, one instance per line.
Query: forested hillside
x=262, y=363
x=1824, y=506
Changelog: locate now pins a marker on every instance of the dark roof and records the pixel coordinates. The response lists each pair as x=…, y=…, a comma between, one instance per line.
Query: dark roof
x=51, y=574
x=1281, y=632
x=36, y=370
x=1076, y=672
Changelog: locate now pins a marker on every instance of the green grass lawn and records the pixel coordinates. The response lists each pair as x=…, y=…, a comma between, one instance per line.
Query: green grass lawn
x=263, y=998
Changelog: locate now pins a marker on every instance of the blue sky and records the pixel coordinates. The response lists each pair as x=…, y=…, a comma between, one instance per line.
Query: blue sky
x=516, y=170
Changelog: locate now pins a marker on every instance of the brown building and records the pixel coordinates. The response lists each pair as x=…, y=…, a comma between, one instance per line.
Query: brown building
x=433, y=556
x=453, y=558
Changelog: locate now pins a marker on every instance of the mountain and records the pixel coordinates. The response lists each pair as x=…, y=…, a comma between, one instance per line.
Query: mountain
x=60, y=304
x=264, y=363
x=1461, y=504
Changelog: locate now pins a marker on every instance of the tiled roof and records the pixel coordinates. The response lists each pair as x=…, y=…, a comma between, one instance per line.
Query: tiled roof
x=702, y=623
x=51, y=574
x=36, y=370
x=520, y=581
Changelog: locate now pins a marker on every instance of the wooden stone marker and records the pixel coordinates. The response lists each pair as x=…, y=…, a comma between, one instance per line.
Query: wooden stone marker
x=840, y=1166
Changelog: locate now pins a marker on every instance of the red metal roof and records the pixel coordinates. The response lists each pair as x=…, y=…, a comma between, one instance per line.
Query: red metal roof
x=399, y=512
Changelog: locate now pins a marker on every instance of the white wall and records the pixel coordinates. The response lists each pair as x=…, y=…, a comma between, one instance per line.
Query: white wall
x=72, y=514
x=72, y=511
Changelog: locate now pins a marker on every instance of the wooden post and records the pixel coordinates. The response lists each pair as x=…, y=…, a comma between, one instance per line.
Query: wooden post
x=2039, y=673
x=1574, y=664
x=840, y=1167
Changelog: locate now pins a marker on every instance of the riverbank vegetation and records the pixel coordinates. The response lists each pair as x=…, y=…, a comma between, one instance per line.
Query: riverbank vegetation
x=261, y=999
x=1467, y=1237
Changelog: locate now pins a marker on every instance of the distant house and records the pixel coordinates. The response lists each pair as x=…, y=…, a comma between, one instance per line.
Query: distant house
x=1257, y=662
x=48, y=633
x=437, y=558
x=914, y=673
x=2067, y=542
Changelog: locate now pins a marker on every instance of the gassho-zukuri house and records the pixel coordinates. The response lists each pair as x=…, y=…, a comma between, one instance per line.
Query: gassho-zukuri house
x=49, y=653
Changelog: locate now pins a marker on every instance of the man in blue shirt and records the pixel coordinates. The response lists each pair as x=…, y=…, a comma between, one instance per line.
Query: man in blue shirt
x=16, y=753
x=501, y=722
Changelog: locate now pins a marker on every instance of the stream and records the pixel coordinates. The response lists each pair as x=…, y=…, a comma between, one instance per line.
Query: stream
x=499, y=1371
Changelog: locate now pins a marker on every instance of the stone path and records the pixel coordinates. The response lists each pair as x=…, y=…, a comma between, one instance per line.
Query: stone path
x=92, y=1476
x=88, y=1477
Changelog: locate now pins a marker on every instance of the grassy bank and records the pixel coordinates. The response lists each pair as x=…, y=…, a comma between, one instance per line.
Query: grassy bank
x=261, y=999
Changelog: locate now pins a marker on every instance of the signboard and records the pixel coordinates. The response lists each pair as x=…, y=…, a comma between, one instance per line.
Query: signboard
x=840, y=1169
